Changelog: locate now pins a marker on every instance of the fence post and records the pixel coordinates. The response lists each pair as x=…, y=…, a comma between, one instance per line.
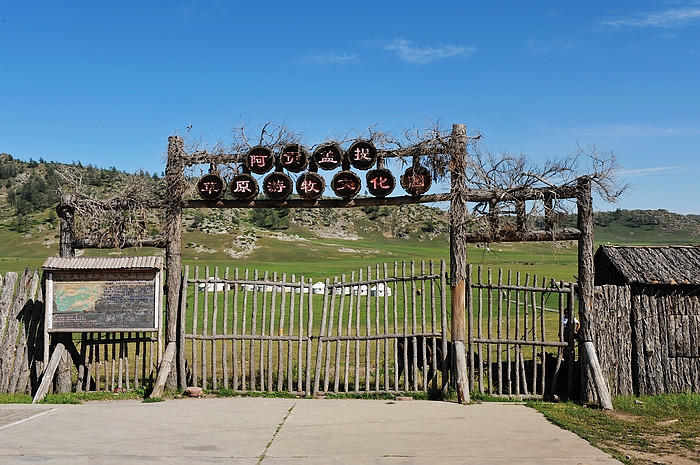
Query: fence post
x=175, y=181
x=586, y=276
x=458, y=257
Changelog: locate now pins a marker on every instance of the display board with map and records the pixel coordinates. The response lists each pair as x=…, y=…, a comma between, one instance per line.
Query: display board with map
x=103, y=300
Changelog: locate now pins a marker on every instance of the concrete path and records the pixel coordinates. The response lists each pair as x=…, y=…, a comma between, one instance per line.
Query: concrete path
x=248, y=430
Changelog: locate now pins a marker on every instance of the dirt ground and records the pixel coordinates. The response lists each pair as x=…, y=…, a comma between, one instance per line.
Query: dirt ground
x=665, y=449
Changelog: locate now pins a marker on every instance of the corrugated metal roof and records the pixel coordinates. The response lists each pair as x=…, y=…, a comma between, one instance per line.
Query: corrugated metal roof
x=672, y=264
x=122, y=263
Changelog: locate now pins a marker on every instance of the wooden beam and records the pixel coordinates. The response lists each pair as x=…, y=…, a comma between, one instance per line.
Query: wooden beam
x=566, y=234
x=164, y=370
x=48, y=374
x=321, y=203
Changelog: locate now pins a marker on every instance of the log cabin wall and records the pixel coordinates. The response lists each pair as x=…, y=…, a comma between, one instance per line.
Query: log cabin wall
x=649, y=318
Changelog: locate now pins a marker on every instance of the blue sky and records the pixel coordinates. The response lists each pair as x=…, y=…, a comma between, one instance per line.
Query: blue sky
x=106, y=83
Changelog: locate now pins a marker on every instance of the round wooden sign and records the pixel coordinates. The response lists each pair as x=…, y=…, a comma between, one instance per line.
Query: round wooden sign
x=346, y=184
x=244, y=187
x=260, y=160
x=310, y=186
x=294, y=158
x=380, y=182
x=362, y=155
x=211, y=187
x=328, y=156
x=277, y=185
x=416, y=180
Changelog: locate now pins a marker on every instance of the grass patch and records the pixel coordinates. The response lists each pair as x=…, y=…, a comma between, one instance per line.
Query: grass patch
x=639, y=430
x=15, y=398
x=73, y=397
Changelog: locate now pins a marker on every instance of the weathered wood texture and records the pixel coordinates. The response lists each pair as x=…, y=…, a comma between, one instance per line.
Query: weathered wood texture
x=98, y=361
x=458, y=257
x=248, y=331
x=648, y=338
x=175, y=185
x=517, y=345
x=662, y=264
x=21, y=332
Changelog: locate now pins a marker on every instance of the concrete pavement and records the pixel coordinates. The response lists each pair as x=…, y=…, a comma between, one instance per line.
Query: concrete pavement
x=246, y=430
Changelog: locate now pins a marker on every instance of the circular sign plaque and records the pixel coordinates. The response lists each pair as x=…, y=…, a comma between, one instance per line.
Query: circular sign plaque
x=346, y=184
x=416, y=180
x=260, y=160
x=310, y=186
x=362, y=155
x=244, y=187
x=380, y=182
x=277, y=185
x=328, y=156
x=294, y=158
x=211, y=187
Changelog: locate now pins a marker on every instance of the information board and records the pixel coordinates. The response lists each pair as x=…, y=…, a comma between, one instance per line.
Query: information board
x=103, y=300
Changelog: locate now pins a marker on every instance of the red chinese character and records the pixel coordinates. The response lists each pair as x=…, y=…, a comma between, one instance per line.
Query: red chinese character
x=242, y=186
x=328, y=157
x=362, y=153
x=277, y=185
x=209, y=187
x=417, y=180
x=290, y=157
x=258, y=160
x=309, y=186
x=380, y=182
x=346, y=185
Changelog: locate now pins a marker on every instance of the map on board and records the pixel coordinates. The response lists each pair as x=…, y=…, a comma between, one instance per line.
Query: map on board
x=103, y=303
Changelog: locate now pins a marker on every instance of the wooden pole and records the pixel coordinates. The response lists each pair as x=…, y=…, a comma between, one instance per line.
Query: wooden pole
x=458, y=258
x=586, y=277
x=174, y=178
x=48, y=374
x=66, y=212
x=604, y=399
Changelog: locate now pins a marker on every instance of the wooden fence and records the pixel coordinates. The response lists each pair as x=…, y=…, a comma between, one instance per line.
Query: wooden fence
x=251, y=332
x=21, y=332
x=517, y=343
x=379, y=329
x=92, y=361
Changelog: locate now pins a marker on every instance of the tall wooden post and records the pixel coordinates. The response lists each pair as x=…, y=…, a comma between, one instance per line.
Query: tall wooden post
x=66, y=213
x=62, y=381
x=174, y=179
x=586, y=281
x=458, y=258
x=174, y=176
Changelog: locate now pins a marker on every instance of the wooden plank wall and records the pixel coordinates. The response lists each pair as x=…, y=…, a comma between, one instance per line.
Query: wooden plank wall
x=649, y=338
x=21, y=332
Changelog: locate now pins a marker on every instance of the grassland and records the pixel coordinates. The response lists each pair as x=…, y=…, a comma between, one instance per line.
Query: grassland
x=641, y=430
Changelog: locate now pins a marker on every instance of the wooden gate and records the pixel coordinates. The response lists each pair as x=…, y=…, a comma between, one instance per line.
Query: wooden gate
x=518, y=346
x=380, y=330
x=384, y=332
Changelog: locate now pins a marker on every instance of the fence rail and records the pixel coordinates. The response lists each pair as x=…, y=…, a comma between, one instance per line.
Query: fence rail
x=248, y=331
x=381, y=329
x=506, y=316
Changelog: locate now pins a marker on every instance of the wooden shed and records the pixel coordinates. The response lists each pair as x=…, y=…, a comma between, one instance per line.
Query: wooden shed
x=647, y=311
